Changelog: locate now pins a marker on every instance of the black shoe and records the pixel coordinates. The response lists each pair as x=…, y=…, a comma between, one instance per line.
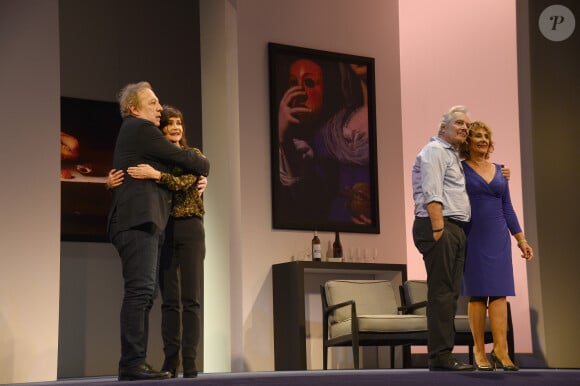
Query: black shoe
x=450, y=364
x=142, y=372
x=170, y=366
x=189, y=367
x=496, y=361
x=173, y=372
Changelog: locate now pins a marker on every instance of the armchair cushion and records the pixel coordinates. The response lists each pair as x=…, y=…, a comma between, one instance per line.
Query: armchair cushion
x=371, y=297
x=380, y=323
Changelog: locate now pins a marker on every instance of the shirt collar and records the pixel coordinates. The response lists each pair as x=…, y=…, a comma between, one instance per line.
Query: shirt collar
x=443, y=142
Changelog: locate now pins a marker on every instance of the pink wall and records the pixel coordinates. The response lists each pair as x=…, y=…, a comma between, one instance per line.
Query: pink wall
x=367, y=28
x=463, y=52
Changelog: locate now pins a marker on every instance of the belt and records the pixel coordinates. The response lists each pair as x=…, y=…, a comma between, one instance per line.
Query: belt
x=459, y=223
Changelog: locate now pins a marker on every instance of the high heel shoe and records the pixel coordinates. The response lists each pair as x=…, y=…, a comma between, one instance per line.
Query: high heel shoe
x=483, y=367
x=498, y=363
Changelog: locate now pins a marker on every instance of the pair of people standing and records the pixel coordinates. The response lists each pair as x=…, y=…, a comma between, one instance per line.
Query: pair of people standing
x=442, y=211
x=141, y=209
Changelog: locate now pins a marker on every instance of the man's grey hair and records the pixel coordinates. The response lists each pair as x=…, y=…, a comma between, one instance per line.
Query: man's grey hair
x=448, y=116
x=129, y=96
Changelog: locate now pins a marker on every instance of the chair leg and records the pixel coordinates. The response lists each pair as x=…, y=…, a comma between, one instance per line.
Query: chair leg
x=355, y=356
x=510, y=333
x=511, y=345
x=392, y=357
x=407, y=356
x=325, y=357
x=470, y=354
x=355, y=353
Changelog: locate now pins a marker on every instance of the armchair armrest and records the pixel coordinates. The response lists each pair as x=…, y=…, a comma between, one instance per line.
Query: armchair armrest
x=330, y=309
x=406, y=309
x=414, y=306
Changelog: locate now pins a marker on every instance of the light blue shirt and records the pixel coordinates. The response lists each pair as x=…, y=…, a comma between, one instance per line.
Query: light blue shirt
x=438, y=176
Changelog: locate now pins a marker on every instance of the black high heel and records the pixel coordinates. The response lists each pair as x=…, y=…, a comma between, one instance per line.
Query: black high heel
x=497, y=362
x=484, y=367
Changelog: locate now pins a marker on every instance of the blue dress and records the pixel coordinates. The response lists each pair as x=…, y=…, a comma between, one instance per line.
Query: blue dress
x=488, y=267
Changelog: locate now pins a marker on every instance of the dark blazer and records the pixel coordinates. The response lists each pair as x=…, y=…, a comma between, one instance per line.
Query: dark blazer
x=137, y=202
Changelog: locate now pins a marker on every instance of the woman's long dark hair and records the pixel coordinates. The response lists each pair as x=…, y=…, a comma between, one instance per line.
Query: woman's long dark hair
x=172, y=112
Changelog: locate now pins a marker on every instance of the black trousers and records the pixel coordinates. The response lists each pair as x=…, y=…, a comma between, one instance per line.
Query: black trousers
x=139, y=249
x=444, y=260
x=181, y=284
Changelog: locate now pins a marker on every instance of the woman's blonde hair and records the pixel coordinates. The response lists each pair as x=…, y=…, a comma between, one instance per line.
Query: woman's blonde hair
x=476, y=125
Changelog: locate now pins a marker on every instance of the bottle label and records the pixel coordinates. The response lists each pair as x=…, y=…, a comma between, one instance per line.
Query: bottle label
x=316, y=252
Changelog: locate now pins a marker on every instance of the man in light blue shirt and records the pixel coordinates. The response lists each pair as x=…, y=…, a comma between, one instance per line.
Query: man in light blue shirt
x=441, y=209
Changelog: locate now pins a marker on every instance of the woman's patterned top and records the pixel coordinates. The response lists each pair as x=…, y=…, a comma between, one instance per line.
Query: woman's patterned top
x=187, y=201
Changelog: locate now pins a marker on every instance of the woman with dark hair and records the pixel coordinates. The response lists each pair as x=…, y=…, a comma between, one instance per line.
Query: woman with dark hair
x=183, y=252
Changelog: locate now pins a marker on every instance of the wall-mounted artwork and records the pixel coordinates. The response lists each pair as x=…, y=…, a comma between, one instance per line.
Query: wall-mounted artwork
x=323, y=140
x=87, y=139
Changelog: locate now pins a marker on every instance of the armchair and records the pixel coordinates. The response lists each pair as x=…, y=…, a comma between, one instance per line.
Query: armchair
x=366, y=313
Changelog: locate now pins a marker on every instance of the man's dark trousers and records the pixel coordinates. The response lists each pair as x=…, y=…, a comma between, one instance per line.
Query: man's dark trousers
x=444, y=260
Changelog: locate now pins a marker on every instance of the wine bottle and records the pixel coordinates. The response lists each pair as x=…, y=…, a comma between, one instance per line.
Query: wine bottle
x=316, y=248
x=336, y=246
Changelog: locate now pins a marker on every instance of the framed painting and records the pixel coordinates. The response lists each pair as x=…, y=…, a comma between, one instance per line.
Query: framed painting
x=88, y=132
x=323, y=140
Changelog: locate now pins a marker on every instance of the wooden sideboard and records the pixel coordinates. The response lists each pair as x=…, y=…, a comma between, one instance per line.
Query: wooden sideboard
x=292, y=280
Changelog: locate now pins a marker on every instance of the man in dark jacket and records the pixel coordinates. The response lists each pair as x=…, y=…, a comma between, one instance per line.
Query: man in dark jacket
x=138, y=216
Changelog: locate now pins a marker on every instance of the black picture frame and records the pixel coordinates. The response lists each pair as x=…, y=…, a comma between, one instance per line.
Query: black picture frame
x=90, y=128
x=323, y=140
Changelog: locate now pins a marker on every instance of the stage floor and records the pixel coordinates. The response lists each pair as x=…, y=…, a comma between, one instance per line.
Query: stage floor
x=399, y=377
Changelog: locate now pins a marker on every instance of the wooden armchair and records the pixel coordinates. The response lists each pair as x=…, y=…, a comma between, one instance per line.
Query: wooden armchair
x=366, y=313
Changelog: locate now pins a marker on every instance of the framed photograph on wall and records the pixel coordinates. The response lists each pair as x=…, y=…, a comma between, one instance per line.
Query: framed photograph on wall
x=323, y=140
x=88, y=132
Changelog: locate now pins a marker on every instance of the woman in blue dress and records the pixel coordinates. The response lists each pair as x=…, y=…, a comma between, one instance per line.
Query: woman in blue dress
x=488, y=273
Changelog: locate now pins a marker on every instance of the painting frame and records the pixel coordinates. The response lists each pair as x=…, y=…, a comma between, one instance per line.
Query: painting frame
x=324, y=174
